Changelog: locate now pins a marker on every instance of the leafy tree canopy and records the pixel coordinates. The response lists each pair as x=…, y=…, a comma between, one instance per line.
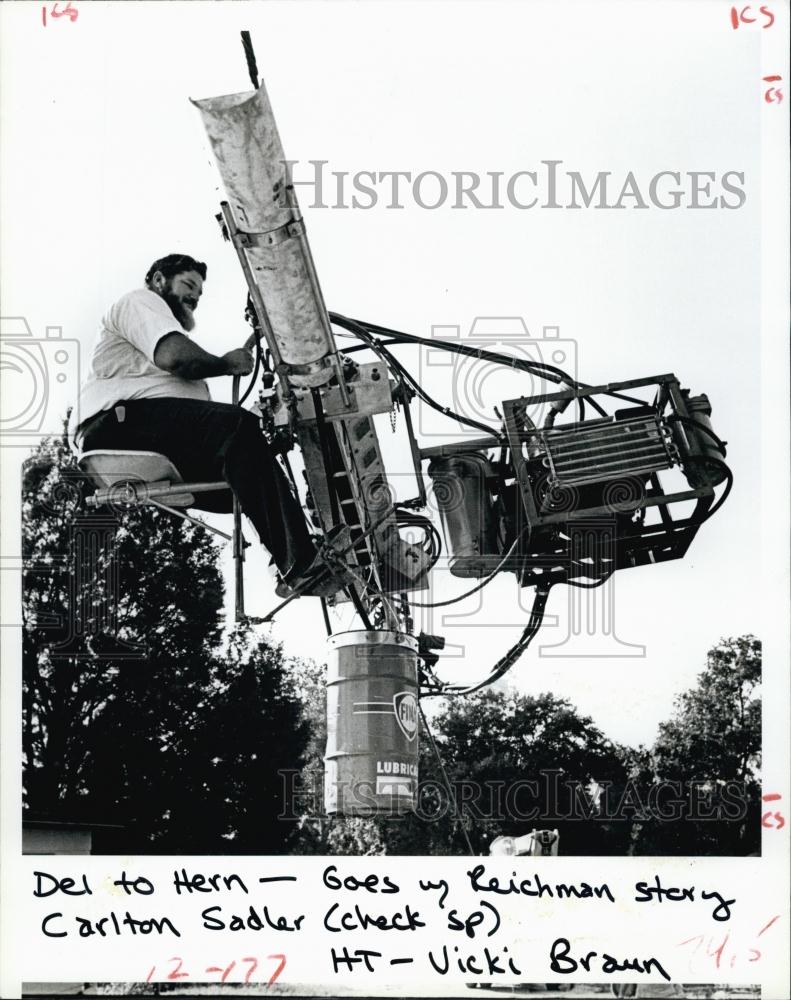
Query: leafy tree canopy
x=136, y=715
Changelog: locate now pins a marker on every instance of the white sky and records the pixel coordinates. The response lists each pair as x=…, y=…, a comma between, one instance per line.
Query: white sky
x=105, y=168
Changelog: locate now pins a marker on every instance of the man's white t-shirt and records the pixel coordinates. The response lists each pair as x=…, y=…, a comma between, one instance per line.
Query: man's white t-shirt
x=122, y=363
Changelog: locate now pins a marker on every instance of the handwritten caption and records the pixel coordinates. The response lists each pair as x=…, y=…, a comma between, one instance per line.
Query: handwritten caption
x=354, y=919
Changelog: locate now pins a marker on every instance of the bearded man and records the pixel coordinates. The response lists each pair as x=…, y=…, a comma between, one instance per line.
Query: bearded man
x=146, y=391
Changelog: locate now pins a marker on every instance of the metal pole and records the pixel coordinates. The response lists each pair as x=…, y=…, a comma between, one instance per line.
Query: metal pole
x=238, y=541
x=249, y=54
x=255, y=291
x=193, y=520
x=318, y=295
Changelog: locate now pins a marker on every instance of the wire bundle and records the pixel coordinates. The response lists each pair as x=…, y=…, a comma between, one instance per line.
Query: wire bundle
x=371, y=337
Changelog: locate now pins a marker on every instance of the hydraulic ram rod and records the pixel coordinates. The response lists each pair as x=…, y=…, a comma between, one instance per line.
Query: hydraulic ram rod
x=269, y=235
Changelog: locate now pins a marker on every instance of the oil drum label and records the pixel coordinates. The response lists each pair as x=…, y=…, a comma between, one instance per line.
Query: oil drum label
x=395, y=777
x=405, y=709
x=396, y=767
x=395, y=786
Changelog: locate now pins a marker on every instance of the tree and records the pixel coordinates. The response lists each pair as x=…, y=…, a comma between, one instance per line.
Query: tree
x=695, y=791
x=134, y=713
x=493, y=745
x=712, y=747
x=527, y=762
x=257, y=735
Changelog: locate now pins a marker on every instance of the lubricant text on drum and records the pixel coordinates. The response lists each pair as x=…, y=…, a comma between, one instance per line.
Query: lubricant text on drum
x=396, y=767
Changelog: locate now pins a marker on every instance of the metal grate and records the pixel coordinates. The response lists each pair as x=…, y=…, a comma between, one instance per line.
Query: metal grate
x=607, y=450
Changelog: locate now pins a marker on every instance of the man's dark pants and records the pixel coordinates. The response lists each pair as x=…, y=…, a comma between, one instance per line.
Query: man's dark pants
x=209, y=442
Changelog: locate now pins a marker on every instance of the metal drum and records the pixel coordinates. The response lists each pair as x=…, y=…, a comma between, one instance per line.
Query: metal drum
x=372, y=724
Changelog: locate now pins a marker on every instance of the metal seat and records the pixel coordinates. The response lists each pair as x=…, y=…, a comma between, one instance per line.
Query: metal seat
x=135, y=476
x=146, y=477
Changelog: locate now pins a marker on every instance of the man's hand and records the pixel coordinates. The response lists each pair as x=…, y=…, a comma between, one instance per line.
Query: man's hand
x=180, y=356
x=239, y=362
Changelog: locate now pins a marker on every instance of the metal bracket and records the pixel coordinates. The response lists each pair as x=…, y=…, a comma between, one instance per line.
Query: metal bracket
x=273, y=238
x=136, y=491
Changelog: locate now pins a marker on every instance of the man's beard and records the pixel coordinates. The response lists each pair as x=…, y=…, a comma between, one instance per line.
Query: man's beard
x=180, y=310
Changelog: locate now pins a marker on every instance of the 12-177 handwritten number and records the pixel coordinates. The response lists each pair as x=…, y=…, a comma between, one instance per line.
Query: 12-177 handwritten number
x=177, y=973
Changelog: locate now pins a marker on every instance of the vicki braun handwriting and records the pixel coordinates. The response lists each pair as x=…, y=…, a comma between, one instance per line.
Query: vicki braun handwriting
x=365, y=918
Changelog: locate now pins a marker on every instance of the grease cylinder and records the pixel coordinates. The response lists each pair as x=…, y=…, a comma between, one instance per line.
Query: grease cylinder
x=701, y=470
x=372, y=724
